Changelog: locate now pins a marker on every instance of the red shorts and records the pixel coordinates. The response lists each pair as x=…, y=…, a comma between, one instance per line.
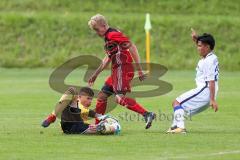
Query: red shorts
x=120, y=79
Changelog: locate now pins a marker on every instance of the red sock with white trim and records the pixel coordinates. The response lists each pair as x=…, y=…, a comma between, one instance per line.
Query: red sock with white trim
x=100, y=108
x=131, y=104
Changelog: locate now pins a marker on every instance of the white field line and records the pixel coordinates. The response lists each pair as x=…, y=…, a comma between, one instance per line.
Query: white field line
x=185, y=156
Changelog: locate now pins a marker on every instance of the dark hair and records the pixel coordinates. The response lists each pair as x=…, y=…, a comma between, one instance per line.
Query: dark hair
x=207, y=39
x=86, y=91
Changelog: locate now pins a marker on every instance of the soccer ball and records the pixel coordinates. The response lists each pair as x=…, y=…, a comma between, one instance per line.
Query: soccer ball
x=109, y=125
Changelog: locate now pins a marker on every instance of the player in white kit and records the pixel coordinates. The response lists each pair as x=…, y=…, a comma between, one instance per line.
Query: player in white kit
x=198, y=99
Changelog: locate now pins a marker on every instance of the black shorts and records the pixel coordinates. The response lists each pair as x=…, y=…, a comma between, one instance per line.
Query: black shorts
x=74, y=127
x=107, y=89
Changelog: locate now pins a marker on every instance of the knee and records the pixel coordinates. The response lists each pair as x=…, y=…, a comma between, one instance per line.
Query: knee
x=71, y=90
x=102, y=96
x=175, y=103
x=119, y=99
x=69, y=95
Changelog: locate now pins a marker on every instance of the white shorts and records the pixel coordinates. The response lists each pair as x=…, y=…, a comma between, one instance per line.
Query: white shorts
x=195, y=100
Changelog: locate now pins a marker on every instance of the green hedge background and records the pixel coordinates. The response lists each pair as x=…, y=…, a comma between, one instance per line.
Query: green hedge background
x=46, y=33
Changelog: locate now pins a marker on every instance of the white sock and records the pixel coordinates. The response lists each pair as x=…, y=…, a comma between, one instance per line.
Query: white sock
x=179, y=117
x=174, y=123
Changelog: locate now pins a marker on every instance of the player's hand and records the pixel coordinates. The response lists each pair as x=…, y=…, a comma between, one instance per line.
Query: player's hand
x=194, y=35
x=141, y=75
x=214, y=105
x=102, y=117
x=92, y=80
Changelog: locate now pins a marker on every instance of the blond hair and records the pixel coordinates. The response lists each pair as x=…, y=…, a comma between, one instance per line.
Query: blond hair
x=97, y=19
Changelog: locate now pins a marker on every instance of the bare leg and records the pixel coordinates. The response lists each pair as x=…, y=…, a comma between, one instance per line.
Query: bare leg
x=65, y=100
x=69, y=96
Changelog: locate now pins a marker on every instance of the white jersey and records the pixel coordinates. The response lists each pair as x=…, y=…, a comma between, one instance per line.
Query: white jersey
x=207, y=70
x=198, y=99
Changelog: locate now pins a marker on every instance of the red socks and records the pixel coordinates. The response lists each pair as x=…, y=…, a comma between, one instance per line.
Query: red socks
x=51, y=118
x=132, y=105
x=100, y=108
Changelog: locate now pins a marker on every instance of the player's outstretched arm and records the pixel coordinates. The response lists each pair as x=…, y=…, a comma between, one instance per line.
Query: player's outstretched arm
x=194, y=35
x=213, y=102
x=102, y=66
x=134, y=52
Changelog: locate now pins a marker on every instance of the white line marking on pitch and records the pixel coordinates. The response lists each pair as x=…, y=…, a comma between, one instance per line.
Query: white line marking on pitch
x=203, y=155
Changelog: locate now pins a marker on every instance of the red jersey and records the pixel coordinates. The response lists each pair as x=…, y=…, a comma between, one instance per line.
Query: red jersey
x=117, y=47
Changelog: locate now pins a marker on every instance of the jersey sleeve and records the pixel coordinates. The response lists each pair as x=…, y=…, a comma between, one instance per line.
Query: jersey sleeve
x=211, y=70
x=118, y=37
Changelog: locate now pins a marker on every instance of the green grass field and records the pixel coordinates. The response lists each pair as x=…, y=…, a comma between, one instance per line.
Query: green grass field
x=26, y=98
x=46, y=33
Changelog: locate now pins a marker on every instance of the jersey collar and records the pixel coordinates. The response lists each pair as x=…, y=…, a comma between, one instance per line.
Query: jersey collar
x=209, y=54
x=108, y=30
x=80, y=105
